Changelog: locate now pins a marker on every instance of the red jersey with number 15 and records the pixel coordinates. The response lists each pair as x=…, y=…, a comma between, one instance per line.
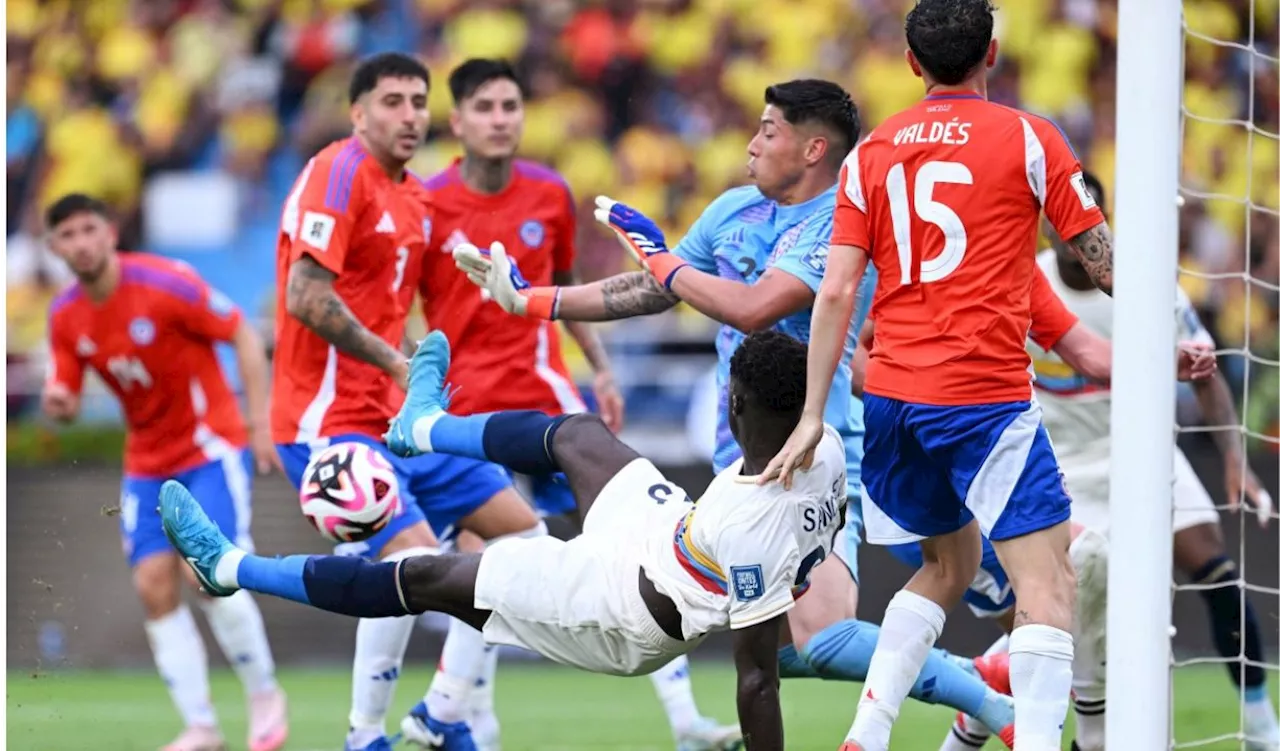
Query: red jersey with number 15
x=499, y=361
x=152, y=342
x=946, y=198
x=348, y=215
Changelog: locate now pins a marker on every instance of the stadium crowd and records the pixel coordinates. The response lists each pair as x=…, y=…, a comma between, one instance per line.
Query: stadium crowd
x=649, y=101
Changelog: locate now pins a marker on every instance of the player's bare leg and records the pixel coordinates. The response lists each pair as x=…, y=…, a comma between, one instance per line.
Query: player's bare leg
x=1089, y=557
x=178, y=650
x=912, y=623
x=1041, y=648
x=465, y=656
x=379, y=654
x=1200, y=554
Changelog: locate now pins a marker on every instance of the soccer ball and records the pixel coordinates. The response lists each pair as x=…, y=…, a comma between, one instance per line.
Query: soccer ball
x=349, y=492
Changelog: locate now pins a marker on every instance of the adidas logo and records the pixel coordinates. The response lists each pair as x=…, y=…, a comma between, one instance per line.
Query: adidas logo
x=385, y=225
x=454, y=239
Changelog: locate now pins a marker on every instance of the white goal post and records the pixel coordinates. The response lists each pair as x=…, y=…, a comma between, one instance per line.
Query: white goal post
x=1149, y=76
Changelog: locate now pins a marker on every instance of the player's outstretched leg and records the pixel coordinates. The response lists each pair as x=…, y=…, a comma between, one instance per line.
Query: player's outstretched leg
x=349, y=585
x=843, y=651
x=526, y=441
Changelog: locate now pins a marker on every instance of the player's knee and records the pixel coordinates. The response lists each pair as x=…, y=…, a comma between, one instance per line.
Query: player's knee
x=156, y=580
x=415, y=536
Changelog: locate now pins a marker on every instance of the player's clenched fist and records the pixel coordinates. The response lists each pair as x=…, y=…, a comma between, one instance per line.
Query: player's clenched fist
x=58, y=403
x=641, y=238
x=499, y=279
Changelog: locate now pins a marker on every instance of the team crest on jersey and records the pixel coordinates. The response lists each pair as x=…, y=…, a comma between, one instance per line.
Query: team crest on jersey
x=532, y=233
x=142, y=331
x=85, y=346
x=748, y=582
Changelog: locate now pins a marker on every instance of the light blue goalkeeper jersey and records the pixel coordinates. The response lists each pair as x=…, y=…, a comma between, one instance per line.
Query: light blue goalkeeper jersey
x=738, y=237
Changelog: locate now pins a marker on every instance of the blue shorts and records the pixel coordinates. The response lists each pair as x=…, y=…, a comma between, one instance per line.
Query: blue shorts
x=550, y=494
x=930, y=470
x=989, y=596
x=437, y=488
x=222, y=487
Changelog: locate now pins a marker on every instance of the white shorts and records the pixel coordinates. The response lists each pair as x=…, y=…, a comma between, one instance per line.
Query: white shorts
x=1089, y=484
x=578, y=602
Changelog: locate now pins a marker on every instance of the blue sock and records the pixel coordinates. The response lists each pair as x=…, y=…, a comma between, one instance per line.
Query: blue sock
x=792, y=665
x=1235, y=628
x=519, y=439
x=843, y=650
x=340, y=584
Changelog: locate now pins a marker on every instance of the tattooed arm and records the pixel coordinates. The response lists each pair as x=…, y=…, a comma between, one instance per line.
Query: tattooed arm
x=626, y=295
x=1093, y=248
x=310, y=298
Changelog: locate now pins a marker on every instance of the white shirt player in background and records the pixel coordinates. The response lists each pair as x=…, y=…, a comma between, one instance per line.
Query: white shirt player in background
x=652, y=572
x=1077, y=414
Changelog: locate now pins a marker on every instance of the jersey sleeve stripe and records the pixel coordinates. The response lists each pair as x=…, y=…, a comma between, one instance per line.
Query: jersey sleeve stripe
x=164, y=281
x=65, y=298
x=696, y=563
x=342, y=175
x=1037, y=171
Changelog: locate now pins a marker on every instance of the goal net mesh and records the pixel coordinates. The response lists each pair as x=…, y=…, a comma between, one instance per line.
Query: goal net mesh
x=1229, y=265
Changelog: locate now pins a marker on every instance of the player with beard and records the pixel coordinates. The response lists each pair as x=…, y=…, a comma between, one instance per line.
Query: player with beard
x=148, y=326
x=352, y=236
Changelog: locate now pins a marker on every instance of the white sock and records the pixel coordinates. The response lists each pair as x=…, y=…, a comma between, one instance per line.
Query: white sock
x=1260, y=717
x=1091, y=722
x=911, y=625
x=481, y=699
x=183, y=665
x=380, y=646
x=1040, y=660
x=461, y=666
x=420, y=431
x=675, y=691
x=236, y=623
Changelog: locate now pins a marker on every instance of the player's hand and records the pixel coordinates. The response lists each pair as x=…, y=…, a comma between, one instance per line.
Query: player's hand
x=264, y=450
x=496, y=275
x=609, y=400
x=640, y=237
x=58, y=403
x=1242, y=482
x=1196, y=361
x=797, y=453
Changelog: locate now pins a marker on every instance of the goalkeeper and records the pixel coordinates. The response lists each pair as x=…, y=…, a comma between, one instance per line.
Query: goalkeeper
x=753, y=261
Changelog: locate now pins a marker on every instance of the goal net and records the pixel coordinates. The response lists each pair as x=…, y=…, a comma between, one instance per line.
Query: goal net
x=1206, y=183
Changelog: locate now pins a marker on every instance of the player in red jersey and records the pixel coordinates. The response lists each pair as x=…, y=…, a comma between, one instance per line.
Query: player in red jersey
x=500, y=362
x=352, y=236
x=148, y=327
x=945, y=198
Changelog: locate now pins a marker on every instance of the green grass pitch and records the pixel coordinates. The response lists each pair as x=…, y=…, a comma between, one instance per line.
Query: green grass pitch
x=542, y=708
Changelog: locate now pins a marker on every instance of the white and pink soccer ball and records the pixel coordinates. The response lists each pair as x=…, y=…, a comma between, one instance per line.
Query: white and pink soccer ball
x=349, y=492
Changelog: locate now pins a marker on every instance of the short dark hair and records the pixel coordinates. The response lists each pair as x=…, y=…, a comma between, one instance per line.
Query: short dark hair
x=467, y=78
x=1094, y=186
x=813, y=100
x=374, y=68
x=950, y=37
x=74, y=203
x=770, y=368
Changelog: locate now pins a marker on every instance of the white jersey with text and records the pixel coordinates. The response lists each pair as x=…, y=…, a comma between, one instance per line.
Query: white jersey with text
x=1077, y=411
x=743, y=553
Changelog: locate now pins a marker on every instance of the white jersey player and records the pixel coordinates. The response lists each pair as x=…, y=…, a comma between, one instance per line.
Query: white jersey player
x=652, y=572
x=1077, y=414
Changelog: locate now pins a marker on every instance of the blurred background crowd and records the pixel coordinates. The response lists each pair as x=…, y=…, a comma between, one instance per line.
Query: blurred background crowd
x=192, y=117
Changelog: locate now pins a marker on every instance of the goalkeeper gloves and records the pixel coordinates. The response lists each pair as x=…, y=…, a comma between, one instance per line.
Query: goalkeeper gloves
x=641, y=237
x=499, y=279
